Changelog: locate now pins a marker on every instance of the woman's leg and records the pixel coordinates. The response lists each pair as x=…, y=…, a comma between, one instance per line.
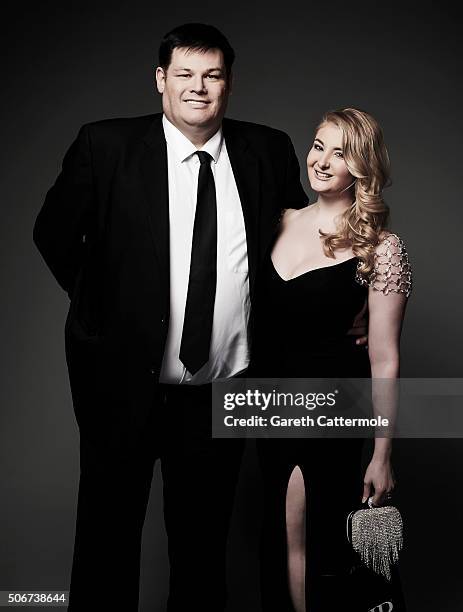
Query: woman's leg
x=316, y=482
x=276, y=466
x=295, y=532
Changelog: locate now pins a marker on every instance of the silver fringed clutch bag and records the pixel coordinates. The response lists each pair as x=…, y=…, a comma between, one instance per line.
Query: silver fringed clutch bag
x=376, y=534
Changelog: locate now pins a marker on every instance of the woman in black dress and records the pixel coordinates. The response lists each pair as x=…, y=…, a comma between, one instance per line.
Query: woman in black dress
x=327, y=261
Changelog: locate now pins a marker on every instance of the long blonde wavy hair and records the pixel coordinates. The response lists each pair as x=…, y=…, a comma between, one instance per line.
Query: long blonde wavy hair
x=367, y=160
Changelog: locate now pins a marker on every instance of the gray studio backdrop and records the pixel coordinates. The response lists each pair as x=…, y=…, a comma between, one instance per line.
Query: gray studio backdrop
x=70, y=63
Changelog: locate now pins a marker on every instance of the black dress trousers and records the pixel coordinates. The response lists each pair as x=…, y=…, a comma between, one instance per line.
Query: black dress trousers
x=199, y=481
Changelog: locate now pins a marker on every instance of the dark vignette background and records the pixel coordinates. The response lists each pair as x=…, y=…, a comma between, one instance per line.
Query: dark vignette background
x=69, y=63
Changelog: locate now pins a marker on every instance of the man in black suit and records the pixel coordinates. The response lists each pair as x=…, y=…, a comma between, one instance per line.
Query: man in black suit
x=155, y=228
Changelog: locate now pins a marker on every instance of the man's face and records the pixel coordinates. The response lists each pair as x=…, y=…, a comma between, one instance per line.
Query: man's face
x=194, y=89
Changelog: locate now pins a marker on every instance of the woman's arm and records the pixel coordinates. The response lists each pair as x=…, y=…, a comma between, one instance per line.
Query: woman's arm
x=390, y=286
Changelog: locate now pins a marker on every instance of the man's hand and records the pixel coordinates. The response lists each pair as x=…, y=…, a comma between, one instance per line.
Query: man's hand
x=360, y=327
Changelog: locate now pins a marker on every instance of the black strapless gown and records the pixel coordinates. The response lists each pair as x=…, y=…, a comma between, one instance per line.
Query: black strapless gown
x=299, y=330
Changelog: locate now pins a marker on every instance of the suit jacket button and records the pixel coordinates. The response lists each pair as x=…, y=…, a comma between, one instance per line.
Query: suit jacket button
x=153, y=371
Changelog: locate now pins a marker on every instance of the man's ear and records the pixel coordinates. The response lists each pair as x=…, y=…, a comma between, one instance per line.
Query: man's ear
x=230, y=83
x=160, y=79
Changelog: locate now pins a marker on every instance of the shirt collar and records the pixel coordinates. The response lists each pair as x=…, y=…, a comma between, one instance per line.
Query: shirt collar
x=184, y=149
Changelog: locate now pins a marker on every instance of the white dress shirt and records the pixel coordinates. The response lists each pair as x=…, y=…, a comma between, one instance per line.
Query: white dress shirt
x=229, y=345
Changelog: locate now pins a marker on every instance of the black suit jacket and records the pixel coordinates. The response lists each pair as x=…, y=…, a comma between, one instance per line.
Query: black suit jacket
x=104, y=233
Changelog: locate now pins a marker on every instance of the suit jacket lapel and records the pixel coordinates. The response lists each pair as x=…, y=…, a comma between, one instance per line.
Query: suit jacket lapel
x=245, y=166
x=155, y=181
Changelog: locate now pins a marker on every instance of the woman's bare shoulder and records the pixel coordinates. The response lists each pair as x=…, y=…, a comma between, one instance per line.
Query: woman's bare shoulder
x=288, y=214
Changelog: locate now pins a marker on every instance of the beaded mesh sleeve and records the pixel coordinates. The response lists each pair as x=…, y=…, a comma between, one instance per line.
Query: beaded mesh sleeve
x=392, y=271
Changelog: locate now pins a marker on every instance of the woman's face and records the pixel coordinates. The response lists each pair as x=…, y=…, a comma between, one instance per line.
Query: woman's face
x=327, y=170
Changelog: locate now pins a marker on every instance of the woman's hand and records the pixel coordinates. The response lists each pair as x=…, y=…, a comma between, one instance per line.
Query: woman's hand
x=380, y=477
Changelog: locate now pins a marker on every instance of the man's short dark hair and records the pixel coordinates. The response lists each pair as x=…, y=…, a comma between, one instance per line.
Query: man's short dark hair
x=195, y=36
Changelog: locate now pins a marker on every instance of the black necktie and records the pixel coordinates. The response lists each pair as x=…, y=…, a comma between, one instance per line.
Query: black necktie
x=199, y=309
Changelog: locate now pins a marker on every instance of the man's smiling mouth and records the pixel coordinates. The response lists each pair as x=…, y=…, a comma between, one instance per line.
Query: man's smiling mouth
x=202, y=102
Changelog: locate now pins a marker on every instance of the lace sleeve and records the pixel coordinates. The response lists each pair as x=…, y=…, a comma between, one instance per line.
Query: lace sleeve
x=392, y=271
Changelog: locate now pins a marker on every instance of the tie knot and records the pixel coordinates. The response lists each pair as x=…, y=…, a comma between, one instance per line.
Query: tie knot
x=204, y=157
